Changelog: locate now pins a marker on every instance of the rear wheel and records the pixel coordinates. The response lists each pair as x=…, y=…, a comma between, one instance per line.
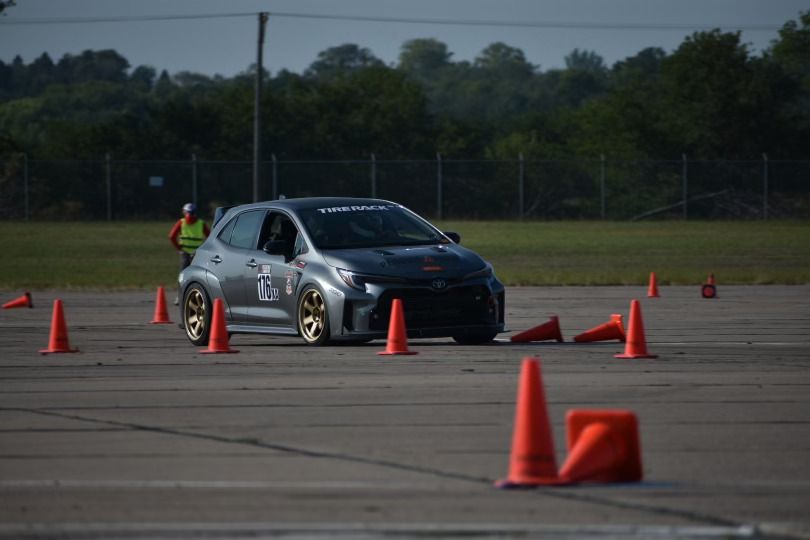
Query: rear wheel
x=313, y=317
x=197, y=314
x=478, y=338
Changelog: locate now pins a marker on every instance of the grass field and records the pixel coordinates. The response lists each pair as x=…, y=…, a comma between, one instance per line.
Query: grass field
x=138, y=254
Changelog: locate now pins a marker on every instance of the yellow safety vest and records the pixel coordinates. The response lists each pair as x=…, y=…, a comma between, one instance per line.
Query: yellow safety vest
x=191, y=235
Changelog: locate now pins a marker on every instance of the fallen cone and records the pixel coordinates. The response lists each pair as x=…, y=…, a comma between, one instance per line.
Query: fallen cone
x=543, y=332
x=58, y=342
x=613, y=329
x=636, y=346
x=603, y=446
x=531, y=462
x=22, y=301
x=709, y=290
x=397, y=342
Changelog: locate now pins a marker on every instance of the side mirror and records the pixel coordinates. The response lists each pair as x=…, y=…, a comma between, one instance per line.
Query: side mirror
x=454, y=236
x=275, y=247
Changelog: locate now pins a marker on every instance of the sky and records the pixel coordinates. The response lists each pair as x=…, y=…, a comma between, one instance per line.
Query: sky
x=614, y=29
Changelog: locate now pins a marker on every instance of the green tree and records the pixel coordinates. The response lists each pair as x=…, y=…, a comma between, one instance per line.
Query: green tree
x=341, y=60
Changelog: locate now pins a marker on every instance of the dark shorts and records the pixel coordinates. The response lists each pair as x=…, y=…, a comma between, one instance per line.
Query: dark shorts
x=185, y=259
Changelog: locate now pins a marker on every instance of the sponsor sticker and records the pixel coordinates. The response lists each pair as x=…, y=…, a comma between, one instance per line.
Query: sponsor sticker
x=289, y=288
x=363, y=208
x=335, y=291
x=266, y=292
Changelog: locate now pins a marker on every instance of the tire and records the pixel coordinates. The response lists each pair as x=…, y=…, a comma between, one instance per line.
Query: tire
x=312, y=316
x=197, y=314
x=475, y=339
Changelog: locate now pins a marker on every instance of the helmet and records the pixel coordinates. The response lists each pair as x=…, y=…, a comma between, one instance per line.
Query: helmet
x=190, y=208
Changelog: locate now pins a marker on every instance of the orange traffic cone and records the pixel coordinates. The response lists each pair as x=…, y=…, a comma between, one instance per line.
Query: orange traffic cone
x=547, y=330
x=218, y=340
x=709, y=290
x=531, y=462
x=636, y=346
x=603, y=446
x=58, y=342
x=22, y=301
x=652, y=290
x=613, y=329
x=397, y=335
x=161, y=313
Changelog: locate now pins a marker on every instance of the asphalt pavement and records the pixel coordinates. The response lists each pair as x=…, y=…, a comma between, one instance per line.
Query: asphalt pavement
x=138, y=435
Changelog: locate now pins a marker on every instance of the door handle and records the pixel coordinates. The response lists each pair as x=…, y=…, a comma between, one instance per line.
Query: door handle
x=251, y=263
x=216, y=259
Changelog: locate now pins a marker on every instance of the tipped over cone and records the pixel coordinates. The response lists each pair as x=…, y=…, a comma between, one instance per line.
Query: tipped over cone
x=58, y=342
x=709, y=289
x=532, y=461
x=21, y=301
x=652, y=290
x=636, y=345
x=603, y=446
x=218, y=340
x=543, y=332
x=161, y=313
x=397, y=334
x=613, y=329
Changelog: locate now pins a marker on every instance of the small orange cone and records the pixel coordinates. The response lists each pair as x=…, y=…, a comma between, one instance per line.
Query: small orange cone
x=218, y=340
x=58, y=342
x=531, y=462
x=636, y=346
x=709, y=290
x=161, y=313
x=22, y=301
x=603, y=446
x=397, y=334
x=652, y=290
x=613, y=329
x=547, y=330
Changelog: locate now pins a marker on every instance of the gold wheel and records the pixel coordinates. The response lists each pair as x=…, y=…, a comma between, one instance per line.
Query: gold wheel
x=313, y=321
x=196, y=315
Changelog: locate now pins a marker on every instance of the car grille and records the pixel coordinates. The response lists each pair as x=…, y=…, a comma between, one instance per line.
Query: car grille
x=426, y=308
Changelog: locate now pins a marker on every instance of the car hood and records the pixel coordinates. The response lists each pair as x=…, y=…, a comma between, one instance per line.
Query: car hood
x=409, y=262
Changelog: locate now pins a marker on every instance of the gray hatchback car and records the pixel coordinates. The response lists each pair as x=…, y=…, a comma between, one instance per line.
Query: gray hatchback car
x=327, y=269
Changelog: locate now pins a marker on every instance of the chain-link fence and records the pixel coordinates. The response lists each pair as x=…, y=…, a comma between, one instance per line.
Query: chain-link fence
x=111, y=189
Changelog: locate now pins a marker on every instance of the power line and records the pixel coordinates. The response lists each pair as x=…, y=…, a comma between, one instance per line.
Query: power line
x=399, y=20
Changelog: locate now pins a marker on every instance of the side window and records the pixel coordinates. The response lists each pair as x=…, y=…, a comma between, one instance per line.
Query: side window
x=225, y=234
x=246, y=229
x=300, y=246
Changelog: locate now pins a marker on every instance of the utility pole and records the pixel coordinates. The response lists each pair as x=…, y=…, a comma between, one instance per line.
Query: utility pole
x=257, y=111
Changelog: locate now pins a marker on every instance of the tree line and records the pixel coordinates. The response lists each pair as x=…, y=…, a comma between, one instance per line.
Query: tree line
x=711, y=98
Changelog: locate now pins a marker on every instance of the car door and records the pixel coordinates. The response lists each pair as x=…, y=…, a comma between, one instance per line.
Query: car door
x=235, y=258
x=272, y=300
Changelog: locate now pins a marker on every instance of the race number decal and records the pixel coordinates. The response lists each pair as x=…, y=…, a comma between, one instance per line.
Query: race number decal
x=266, y=292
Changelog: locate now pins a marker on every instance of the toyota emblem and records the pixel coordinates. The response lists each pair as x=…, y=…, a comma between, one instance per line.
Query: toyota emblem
x=438, y=284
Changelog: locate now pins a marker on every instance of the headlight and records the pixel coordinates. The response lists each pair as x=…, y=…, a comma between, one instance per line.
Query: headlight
x=351, y=279
x=485, y=272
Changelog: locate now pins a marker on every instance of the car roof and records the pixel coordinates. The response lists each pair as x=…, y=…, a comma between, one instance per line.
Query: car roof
x=314, y=202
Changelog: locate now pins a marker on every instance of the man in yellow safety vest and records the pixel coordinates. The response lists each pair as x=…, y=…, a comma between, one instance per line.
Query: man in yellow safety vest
x=187, y=235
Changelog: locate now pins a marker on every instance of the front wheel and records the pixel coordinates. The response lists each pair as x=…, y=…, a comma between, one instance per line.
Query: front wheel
x=478, y=338
x=197, y=314
x=313, y=317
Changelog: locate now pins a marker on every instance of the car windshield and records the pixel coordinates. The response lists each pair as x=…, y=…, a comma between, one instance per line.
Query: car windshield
x=362, y=226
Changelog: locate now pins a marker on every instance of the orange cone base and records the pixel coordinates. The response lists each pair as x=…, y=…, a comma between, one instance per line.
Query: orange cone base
x=57, y=351
x=709, y=291
x=531, y=482
x=160, y=322
x=218, y=351
x=391, y=353
x=625, y=355
x=620, y=459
